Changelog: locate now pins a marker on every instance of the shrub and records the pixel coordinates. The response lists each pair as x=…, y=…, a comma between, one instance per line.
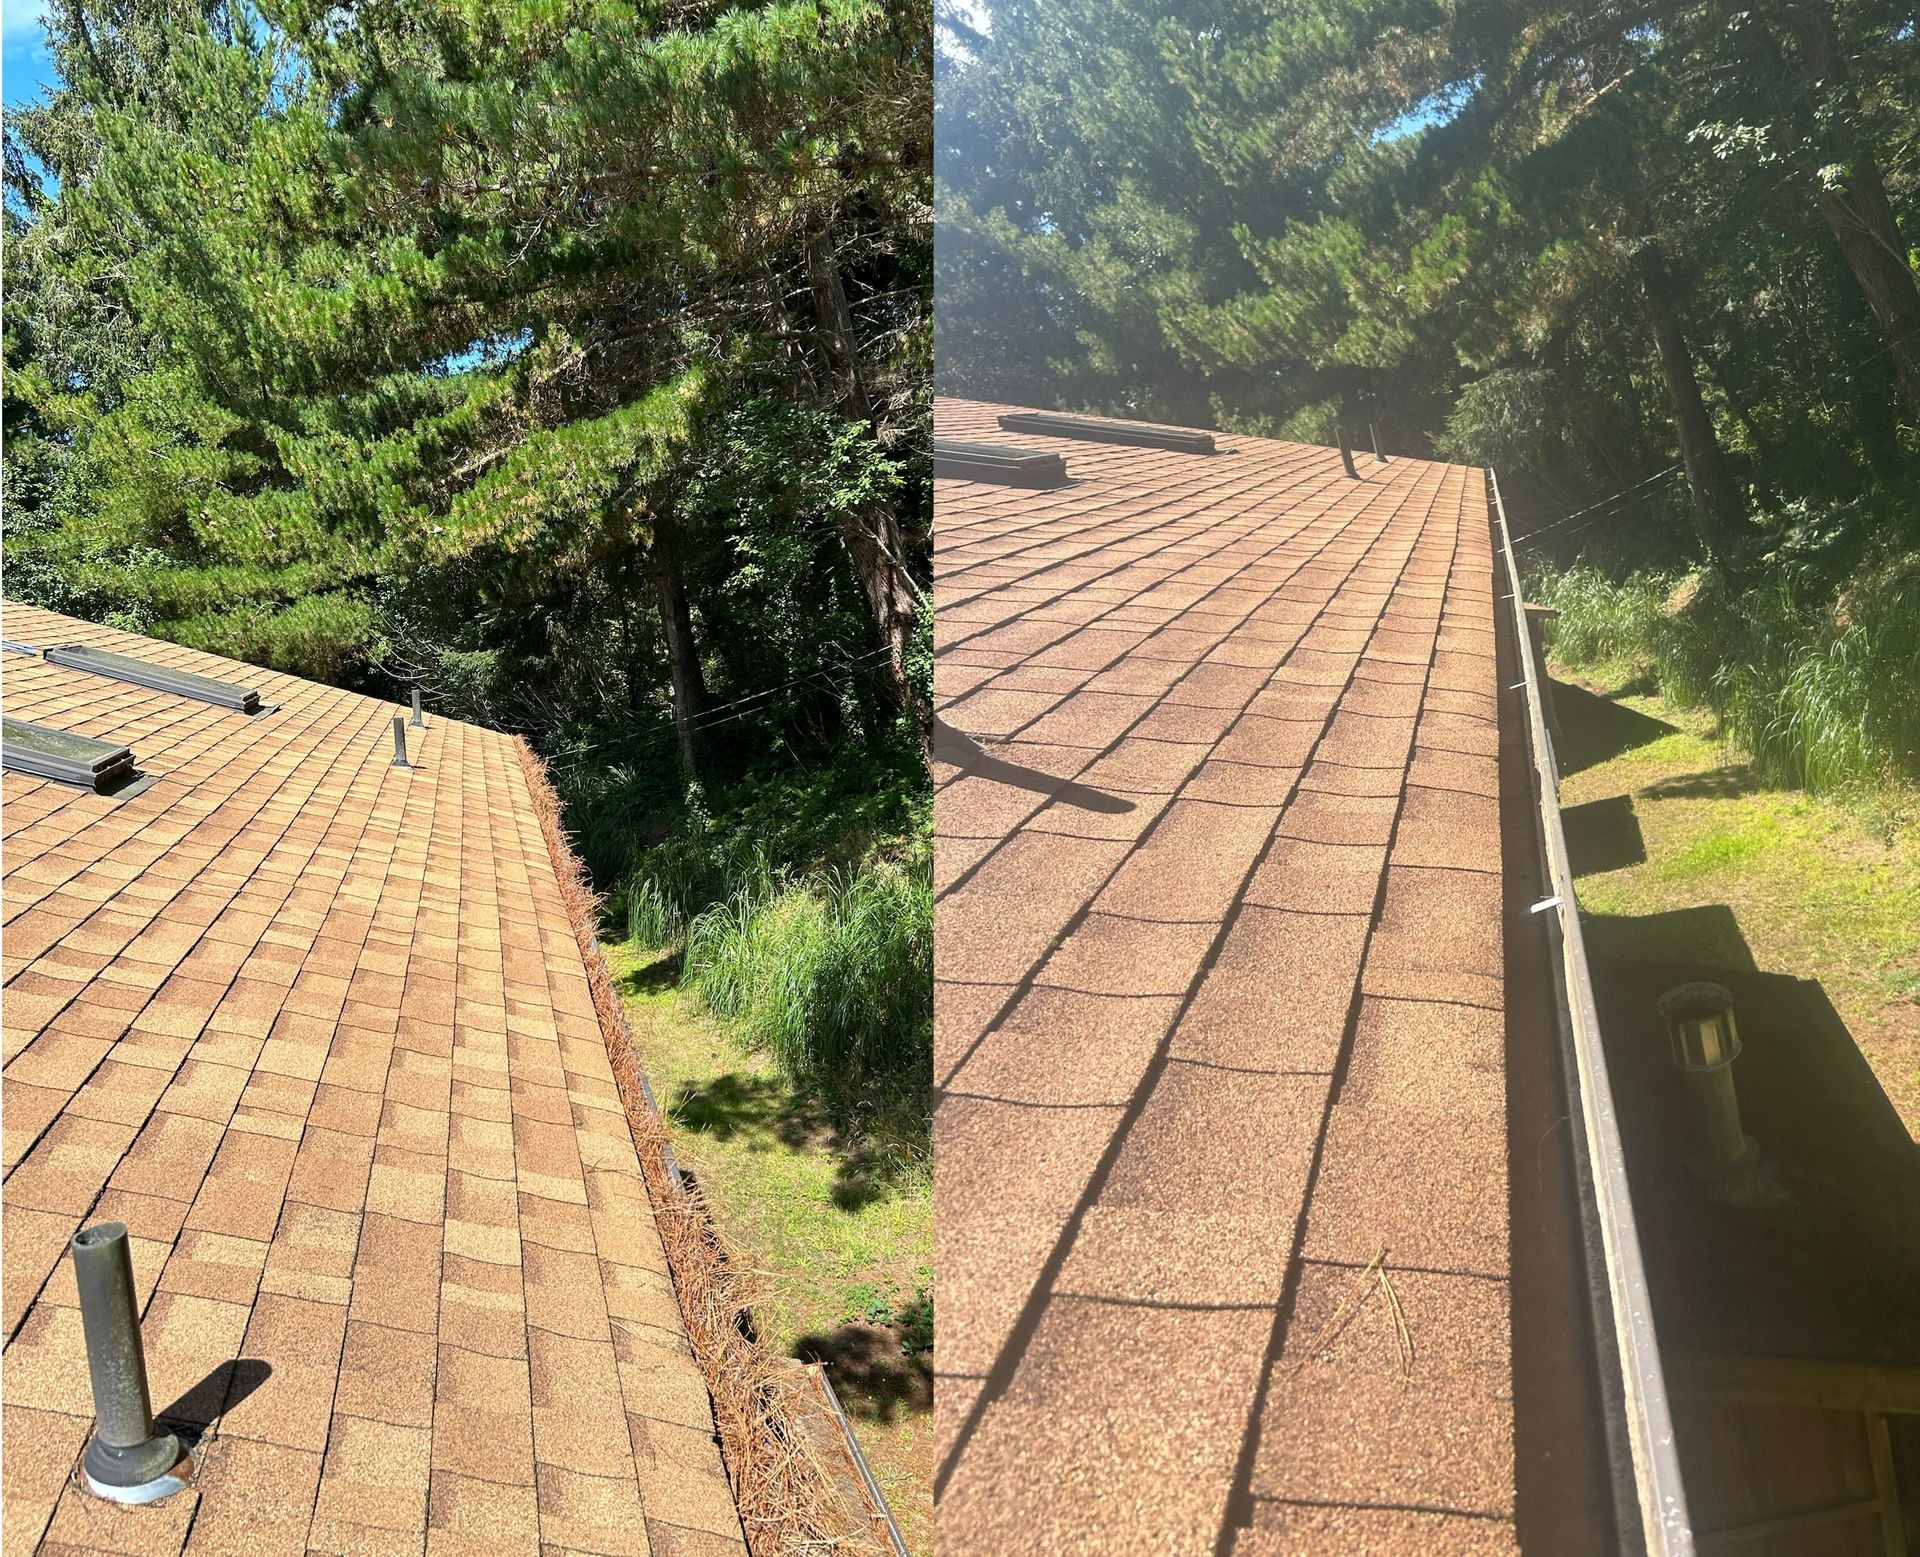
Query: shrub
x=1818, y=688
x=1602, y=622
x=833, y=976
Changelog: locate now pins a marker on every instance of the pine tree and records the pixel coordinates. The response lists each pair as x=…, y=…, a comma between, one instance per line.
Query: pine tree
x=395, y=333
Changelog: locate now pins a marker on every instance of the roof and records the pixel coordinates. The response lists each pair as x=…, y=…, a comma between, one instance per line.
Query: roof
x=1220, y=1009
x=318, y=1030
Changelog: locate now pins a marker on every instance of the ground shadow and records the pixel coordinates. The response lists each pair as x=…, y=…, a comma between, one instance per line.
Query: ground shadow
x=657, y=977
x=1603, y=835
x=1708, y=935
x=219, y=1392
x=963, y=751
x=761, y=1110
x=1593, y=729
x=1712, y=784
x=871, y=1165
x=876, y=1377
x=870, y=1158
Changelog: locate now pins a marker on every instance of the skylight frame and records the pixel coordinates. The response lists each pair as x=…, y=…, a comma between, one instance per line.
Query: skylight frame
x=159, y=678
x=26, y=747
x=1002, y=464
x=1056, y=424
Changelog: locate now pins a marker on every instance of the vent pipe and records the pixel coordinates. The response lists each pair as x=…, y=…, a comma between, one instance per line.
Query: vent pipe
x=128, y=1459
x=1346, y=454
x=419, y=720
x=400, y=741
x=1704, y=1042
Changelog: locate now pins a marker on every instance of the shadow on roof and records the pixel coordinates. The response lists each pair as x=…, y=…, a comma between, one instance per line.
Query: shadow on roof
x=215, y=1395
x=963, y=751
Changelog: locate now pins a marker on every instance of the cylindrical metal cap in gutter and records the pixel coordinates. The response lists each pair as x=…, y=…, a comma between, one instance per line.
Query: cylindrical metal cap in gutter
x=1657, y=1493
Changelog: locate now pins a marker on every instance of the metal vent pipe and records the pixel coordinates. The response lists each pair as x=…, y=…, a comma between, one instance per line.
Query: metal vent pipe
x=128, y=1459
x=1704, y=1043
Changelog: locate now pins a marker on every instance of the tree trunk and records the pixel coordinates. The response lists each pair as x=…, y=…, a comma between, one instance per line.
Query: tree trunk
x=683, y=655
x=1860, y=216
x=872, y=535
x=1718, y=513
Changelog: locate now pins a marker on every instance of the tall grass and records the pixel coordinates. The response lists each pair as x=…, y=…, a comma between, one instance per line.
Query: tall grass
x=832, y=976
x=1822, y=690
x=688, y=873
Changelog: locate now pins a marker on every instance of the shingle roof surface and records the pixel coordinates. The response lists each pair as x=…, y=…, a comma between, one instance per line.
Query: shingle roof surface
x=318, y=1031
x=1219, y=1007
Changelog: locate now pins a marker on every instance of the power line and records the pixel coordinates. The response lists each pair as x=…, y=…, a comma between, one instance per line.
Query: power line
x=1667, y=475
x=712, y=718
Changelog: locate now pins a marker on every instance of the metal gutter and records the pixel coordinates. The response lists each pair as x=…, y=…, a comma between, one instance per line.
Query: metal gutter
x=1657, y=1495
x=883, y=1515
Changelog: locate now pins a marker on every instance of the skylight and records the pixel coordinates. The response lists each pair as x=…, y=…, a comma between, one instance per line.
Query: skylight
x=1186, y=439
x=58, y=754
x=998, y=462
x=162, y=678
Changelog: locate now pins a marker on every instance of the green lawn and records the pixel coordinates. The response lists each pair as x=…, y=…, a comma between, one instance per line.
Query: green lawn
x=1825, y=889
x=842, y=1237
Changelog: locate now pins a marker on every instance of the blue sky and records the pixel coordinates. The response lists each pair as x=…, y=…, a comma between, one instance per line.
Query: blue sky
x=24, y=66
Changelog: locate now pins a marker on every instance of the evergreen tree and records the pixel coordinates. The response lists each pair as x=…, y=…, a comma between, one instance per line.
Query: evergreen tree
x=389, y=339
x=1677, y=227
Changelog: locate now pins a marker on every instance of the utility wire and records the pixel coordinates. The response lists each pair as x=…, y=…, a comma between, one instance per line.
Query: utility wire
x=1575, y=530
x=712, y=718
x=1564, y=520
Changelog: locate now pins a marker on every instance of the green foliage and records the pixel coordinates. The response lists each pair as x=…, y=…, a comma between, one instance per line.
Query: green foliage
x=1510, y=420
x=1601, y=622
x=1818, y=688
x=831, y=975
x=1441, y=218
x=408, y=345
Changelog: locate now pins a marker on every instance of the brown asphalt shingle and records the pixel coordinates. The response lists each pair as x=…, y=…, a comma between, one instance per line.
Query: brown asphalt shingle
x=318, y=1030
x=1219, y=1007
